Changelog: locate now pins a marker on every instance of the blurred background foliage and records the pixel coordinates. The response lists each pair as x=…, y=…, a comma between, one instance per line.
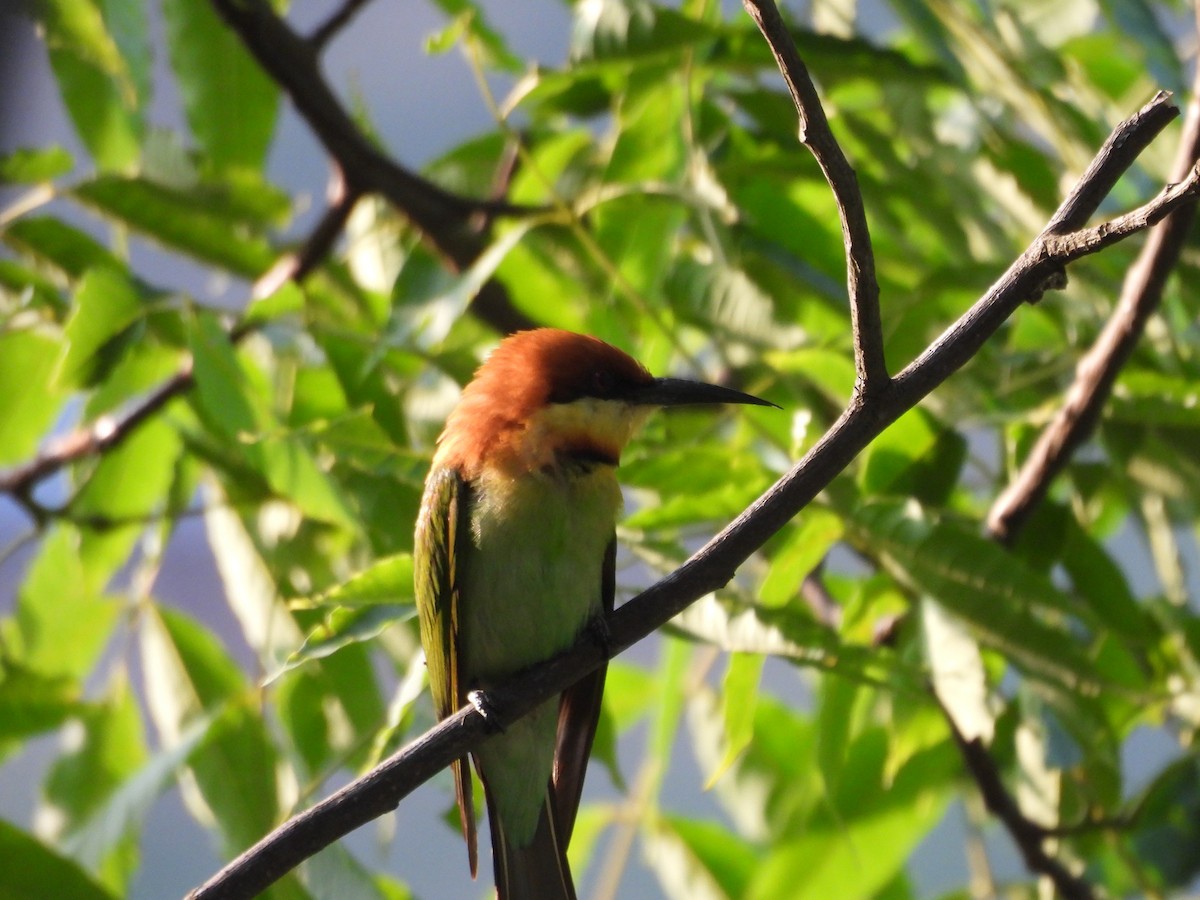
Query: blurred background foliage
x=672, y=211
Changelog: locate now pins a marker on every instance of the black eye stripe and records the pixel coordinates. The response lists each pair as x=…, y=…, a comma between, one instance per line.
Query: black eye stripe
x=601, y=384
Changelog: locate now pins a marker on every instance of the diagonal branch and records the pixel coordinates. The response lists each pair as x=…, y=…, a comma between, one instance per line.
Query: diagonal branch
x=1055, y=246
x=1097, y=371
x=341, y=17
x=446, y=220
x=710, y=569
x=102, y=435
x=298, y=264
x=1038, y=269
x=815, y=133
x=1027, y=835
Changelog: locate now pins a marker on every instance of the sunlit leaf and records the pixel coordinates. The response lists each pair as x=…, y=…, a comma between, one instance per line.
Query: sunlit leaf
x=28, y=401
x=695, y=859
x=231, y=103
x=42, y=872
x=27, y=166
x=96, y=83
x=188, y=221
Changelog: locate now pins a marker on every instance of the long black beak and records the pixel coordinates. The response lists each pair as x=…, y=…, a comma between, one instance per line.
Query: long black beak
x=680, y=392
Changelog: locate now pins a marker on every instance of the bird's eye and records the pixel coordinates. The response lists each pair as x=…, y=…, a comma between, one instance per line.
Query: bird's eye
x=603, y=382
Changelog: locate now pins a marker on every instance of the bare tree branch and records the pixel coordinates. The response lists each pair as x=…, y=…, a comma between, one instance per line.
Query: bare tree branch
x=710, y=569
x=335, y=23
x=103, y=434
x=297, y=265
x=444, y=219
x=1038, y=269
x=815, y=133
x=1097, y=371
x=450, y=222
x=1041, y=267
x=1027, y=835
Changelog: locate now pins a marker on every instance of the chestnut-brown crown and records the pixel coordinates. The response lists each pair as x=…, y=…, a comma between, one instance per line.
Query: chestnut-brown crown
x=528, y=372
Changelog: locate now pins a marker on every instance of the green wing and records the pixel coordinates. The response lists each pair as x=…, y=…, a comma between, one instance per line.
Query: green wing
x=443, y=514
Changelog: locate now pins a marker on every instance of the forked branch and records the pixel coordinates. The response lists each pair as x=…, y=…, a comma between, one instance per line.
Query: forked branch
x=713, y=566
x=815, y=133
x=1098, y=369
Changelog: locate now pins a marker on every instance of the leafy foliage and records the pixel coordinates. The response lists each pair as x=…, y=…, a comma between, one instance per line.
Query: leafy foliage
x=671, y=211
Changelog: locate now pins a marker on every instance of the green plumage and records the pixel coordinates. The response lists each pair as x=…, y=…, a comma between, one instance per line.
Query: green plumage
x=508, y=573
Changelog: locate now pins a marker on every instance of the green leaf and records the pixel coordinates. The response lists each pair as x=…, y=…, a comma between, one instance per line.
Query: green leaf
x=222, y=393
x=199, y=224
x=129, y=485
x=63, y=246
x=250, y=588
x=834, y=727
x=28, y=403
x=1138, y=21
x=345, y=626
x=96, y=84
x=857, y=851
x=32, y=703
x=916, y=456
x=62, y=621
x=29, y=166
x=697, y=859
x=231, y=397
x=186, y=669
x=188, y=678
x=1146, y=397
x=958, y=676
x=774, y=786
x=1011, y=608
x=335, y=872
x=724, y=299
x=386, y=580
x=791, y=636
x=427, y=301
x=804, y=549
x=230, y=102
x=82, y=781
x=739, y=699
x=469, y=19
x=30, y=288
x=37, y=871
x=106, y=304
x=123, y=810
x=610, y=30
x=1168, y=824
x=1096, y=575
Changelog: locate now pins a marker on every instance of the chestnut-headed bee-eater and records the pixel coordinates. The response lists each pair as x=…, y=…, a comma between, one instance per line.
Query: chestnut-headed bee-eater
x=514, y=557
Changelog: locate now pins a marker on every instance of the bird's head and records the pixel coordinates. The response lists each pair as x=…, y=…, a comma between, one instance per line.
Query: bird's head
x=547, y=394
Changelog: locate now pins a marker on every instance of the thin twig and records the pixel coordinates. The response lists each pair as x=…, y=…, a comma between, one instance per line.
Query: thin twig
x=1038, y=269
x=335, y=23
x=1027, y=835
x=103, y=434
x=298, y=264
x=815, y=133
x=1062, y=237
x=444, y=219
x=1098, y=369
x=710, y=569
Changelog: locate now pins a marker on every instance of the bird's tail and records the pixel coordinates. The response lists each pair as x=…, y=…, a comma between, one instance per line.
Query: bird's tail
x=537, y=871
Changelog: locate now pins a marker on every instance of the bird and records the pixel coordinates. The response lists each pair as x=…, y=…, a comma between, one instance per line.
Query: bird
x=514, y=557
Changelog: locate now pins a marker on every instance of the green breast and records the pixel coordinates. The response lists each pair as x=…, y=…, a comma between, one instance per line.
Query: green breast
x=530, y=583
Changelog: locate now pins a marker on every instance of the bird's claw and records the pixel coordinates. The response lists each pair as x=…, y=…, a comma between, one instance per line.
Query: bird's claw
x=484, y=706
x=597, y=630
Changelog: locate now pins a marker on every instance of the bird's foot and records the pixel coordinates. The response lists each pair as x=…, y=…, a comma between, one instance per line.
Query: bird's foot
x=484, y=706
x=597, y=630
